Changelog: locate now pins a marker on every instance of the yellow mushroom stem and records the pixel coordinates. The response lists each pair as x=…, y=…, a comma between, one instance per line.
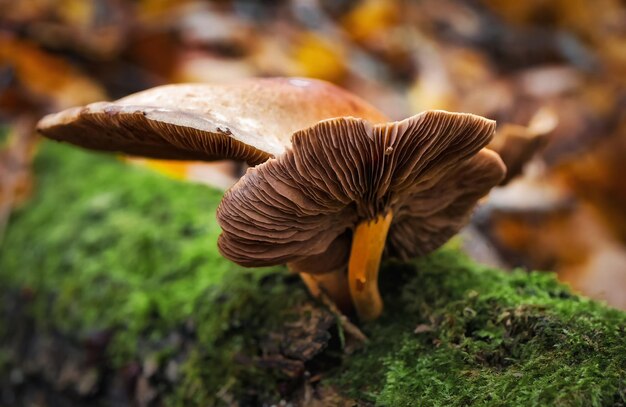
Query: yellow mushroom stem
x=333, y=284
x=368, y=243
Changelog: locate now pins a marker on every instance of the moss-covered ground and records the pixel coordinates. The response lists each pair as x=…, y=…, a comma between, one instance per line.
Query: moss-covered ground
x=105, y=247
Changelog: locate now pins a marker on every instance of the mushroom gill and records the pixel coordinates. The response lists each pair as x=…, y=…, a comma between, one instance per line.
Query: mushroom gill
x=405, y=187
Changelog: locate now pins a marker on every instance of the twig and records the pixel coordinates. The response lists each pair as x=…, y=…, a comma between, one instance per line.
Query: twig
x=344, y=322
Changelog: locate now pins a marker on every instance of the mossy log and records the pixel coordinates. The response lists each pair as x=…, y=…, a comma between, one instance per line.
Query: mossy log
x=112, y=292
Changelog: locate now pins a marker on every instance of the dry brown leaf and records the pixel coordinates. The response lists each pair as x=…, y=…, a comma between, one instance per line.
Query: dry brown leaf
x=50, y=79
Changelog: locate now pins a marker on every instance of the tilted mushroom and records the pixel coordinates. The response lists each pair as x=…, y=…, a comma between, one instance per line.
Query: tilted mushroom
x=335, y=184
x=250, y=120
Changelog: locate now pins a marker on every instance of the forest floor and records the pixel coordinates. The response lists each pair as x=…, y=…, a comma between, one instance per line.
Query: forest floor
x=112, y=291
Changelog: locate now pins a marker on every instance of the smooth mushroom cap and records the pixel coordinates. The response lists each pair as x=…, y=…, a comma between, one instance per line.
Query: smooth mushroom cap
x=428, y=170
x=250, y=120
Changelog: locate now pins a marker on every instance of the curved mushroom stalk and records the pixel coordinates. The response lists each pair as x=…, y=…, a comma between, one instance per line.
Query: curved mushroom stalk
x=326, y=272
x=333, y=284
x=367, y=251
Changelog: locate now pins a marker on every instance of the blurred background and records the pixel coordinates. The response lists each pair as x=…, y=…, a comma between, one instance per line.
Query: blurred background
x=552, y=73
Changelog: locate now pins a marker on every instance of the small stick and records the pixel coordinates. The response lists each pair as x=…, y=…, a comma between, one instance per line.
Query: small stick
x=345, y=323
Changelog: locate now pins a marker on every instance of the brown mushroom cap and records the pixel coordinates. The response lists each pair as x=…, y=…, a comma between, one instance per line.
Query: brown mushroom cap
x=429, y=170
x=517, y=145
x=250, y=120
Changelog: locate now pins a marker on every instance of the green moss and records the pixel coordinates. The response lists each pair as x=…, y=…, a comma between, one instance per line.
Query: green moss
x=489, y=338
x=104, y=246
x=115, y=247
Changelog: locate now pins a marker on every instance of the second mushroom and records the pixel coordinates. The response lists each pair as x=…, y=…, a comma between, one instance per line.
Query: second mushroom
x=334, y=186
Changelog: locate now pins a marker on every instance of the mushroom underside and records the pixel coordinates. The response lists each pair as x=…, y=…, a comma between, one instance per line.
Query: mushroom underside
x=150, y=132
x=427, y=169
x=417, y=179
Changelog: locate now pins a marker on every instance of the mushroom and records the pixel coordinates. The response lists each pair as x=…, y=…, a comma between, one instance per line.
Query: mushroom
x=347, y=190
x=250, y=120
x=334, y=185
